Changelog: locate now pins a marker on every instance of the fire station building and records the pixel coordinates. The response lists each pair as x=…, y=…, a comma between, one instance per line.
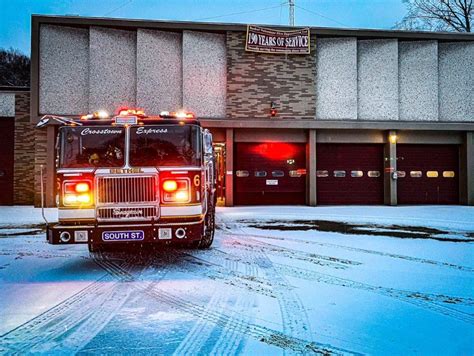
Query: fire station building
x=363, y=117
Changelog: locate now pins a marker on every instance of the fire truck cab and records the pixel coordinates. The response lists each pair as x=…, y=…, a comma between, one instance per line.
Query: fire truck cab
x=133, y=179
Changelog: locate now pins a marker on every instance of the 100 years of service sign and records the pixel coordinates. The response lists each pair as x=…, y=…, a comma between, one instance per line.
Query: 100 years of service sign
x=266, y=40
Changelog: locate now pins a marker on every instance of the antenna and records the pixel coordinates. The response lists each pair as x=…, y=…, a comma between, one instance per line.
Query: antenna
x=292, y=12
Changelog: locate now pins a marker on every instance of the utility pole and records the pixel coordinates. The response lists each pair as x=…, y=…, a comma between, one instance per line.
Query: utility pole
x=292, y=12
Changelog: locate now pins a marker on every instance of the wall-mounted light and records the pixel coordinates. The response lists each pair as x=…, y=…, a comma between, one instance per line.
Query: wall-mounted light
x=393, y=137
x=273, y=109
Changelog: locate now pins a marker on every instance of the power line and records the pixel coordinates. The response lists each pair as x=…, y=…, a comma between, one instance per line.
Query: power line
x=321, y=15
x=118, y=8
x=241, y=13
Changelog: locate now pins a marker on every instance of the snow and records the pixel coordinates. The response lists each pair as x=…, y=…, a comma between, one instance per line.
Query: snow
x=277, y=280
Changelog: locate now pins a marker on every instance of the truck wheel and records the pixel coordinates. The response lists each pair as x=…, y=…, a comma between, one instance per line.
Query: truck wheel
x=210, y=226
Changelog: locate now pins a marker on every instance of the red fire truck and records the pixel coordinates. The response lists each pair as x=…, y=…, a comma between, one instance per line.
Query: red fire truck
x=133, y=179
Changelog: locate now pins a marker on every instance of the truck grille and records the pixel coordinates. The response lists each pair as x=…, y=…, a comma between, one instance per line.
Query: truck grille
x=138, y=189
x=124, y=213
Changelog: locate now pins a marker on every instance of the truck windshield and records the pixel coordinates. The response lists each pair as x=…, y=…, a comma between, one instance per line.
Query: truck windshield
x=165, y=145
x=97, y=146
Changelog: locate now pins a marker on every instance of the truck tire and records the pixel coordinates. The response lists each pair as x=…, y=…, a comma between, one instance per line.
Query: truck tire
x=210, y=227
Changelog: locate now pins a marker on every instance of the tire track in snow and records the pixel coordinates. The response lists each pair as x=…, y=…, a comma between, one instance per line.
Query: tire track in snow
x=255, y=331
x=231, y=337
x=431, y=302
x=195, y=340
x=372, y=252
x=62, y=326
x=425, y=301
x=293, y=313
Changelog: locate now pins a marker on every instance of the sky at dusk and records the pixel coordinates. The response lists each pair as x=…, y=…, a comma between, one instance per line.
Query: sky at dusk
x=15, y=21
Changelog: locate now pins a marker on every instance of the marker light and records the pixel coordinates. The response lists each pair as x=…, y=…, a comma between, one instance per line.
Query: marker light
x=182, y=195
x=82, y=187
x=102, y=114
x=176, y=190
x=181, y=115
x=77, y=193
x=170, y=186
x=130, y=112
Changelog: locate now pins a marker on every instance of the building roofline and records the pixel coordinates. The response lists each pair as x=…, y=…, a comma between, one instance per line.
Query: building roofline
x=222, y=27
x=6, y=88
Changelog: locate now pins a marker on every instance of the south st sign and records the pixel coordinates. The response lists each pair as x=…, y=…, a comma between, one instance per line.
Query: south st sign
x=266, y=40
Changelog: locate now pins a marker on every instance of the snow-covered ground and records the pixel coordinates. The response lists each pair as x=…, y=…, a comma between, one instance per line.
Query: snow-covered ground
x=276, y=280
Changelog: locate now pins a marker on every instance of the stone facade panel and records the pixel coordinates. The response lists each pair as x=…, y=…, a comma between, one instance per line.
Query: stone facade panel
x=113, y=67
x=418, y=80
x=64, y=70
x=204, y=73
x=336, y=79
x=159, y=71
x=7, y=104
x=377, y=83
x=456, y=81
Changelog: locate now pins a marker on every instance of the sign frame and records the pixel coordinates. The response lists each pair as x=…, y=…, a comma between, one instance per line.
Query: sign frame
x=278, y=35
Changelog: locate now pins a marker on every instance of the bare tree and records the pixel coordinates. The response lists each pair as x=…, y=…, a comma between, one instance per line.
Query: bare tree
x=14, y=68
x=438, y=15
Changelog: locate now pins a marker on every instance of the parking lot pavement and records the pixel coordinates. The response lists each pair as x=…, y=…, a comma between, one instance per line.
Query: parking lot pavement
x=276, y=280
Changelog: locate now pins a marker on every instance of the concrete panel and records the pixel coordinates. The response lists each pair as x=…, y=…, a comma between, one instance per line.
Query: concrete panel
x=377, y=83
x=112, y=69
x=204, y=74
x=159, y=71
x=456, y=81
x=418, y=80
x=7, y=104
x=63, y=70
x=351, y=136
x=336, y=79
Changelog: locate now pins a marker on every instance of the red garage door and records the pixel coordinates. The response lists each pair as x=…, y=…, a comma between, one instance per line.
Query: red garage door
x=349, y=173
x=269, y=173
x=428, y=174
x=6, y=160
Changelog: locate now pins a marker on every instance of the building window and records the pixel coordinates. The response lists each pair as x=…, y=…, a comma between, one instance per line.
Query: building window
x=448, y=174
x=322, y=174
x=416, y=174
x=294, y=174
x=432, y=174
x=242, y=174
x=357, y=174
x=260, y=174
x=278, y=174
x=401, y=174
x=373, y=174
x=339, y=174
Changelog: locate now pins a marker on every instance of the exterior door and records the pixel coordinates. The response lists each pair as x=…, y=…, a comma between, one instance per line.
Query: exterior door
x=6, y=160
x=428, y=174
x=270, y=173
x=349, y=173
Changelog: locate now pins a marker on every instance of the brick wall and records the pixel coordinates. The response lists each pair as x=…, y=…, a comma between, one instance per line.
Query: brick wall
x=254, y=80
x=23, y=187
x=39, y=159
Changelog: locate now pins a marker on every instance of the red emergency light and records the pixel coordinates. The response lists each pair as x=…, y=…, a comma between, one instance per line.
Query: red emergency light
x=181, y=115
